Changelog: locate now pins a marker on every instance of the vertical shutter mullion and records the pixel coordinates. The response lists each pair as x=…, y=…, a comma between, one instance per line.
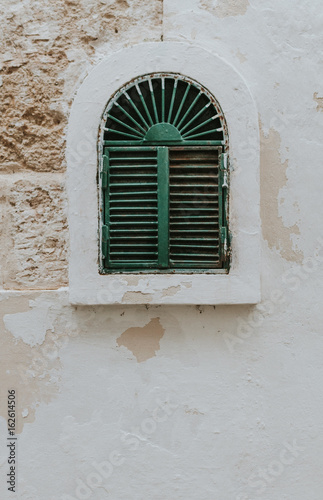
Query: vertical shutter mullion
x=163, y=207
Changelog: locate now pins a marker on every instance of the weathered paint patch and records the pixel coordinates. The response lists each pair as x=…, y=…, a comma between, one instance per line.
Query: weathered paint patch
x=272, y=179
x=137, y=297
x=319, y=101
x=31, y=326
x=143, y=342
x=171, y=291
x=133, y=280
x=225, y=8
x=32, y=371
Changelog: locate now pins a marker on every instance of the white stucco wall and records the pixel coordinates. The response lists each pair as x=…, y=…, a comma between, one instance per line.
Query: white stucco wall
x=163, y=402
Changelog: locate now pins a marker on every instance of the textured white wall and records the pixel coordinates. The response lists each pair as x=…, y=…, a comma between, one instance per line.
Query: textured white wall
x=175, y=402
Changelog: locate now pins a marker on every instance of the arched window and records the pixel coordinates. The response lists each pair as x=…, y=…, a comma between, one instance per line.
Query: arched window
x=164, y=178
x=162, y=193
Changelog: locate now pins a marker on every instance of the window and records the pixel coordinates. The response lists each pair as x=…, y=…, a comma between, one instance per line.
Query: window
x=92, y=278
x=164, y=179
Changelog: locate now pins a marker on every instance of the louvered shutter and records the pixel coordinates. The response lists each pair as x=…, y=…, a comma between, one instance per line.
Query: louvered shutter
x=195, y=207
x=130, y=205
x=164, y=208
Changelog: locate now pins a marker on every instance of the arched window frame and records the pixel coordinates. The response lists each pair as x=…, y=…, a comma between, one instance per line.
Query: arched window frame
x=242, y=284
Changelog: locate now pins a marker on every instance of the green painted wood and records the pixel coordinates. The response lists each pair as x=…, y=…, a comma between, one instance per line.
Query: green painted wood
x=144, y=105
x=163, y=207
x=125, y=214
x=125, y=125
x=181, y=104
x=195, y=118
x=130, y=117
x=189, y=109
x=209, y=120
x=204, y=133
x=163, y=132
x=104, y=171
x=152, y=95
x=182, y=143
x=132, y=265
x=138, y=113
x=172, y=101
x=106, y=208
x=105, y=239
x=163, y=100
x=113, y=131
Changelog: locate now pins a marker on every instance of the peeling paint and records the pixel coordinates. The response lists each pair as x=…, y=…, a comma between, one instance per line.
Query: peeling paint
x=26, y=369
x=226, y=8
x=272, y=179
x=172, y=290
x=133, y=280
x=31, y=326
x=143, y=342
x=137, y=297
x=319, y=101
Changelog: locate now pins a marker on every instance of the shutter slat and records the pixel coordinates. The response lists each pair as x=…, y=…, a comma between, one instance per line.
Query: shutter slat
x=131, y=193
x=189, y=195
x=190, y=239
x=133, y=174
x=138, y=245
x=131, y=184
x=123, y=208
x=192, y=217
x=194, y=177
x=131, y=230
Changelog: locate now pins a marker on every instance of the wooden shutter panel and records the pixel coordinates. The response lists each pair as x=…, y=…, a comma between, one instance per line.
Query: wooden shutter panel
x=164, y=208
x=195, y=207
x=130, y=229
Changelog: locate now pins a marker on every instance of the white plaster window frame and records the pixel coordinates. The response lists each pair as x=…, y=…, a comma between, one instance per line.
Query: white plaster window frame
x=242, y=284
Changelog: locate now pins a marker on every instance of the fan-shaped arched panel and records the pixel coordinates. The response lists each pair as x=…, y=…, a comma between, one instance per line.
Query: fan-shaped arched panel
x=163, y=108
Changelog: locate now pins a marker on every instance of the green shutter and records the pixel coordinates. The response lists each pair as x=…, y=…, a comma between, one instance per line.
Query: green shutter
x=131, y=208
x=164, y=208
